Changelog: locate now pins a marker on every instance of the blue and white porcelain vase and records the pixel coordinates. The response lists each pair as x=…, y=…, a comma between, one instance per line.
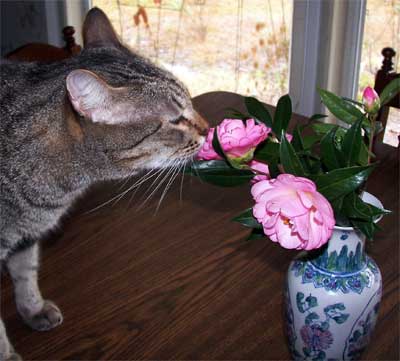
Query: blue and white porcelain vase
x=332, y=298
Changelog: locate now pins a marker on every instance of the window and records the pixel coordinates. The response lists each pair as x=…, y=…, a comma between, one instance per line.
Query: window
x=233, y=45
x=382, y=29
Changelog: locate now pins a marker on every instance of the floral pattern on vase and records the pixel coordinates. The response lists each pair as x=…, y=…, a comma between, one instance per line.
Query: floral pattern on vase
x=315, y=332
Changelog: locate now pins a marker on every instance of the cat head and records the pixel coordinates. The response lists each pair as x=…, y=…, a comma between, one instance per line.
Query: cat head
x=139, y=115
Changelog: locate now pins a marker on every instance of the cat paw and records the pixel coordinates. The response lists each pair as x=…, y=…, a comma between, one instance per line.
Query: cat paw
x=49, y=317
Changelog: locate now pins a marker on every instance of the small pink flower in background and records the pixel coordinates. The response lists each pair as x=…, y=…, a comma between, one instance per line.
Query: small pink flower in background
x=370, y=100
x=237, y=139
x=261, y=169
x=292, y=212
x=207, y=152
x=289, y=137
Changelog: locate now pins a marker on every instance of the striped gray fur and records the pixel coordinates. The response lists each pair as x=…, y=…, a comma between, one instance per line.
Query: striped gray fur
x=105, y=114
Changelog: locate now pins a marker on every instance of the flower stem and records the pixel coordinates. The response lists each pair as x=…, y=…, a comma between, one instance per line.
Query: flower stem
x=371, y=119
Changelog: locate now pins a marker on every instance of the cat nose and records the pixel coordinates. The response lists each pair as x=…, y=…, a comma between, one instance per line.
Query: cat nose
x=201, y=124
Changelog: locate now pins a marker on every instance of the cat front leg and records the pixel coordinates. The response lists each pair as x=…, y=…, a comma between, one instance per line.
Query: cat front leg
x=40, y=314
x=6, y=350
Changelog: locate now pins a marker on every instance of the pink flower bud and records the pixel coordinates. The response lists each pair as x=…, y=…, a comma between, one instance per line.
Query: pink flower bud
x=371, y=100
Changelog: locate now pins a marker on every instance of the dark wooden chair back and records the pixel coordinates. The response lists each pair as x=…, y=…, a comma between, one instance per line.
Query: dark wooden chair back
x=46, y=52
x=383, y=77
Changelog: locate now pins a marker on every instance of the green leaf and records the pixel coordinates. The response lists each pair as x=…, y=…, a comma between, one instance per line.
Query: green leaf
x=355, y=207
x=323, y=128
x=298, y=145
x=289, y=159
x=315, y=167
x=267, y=151
x=256, y=234
x=351, y=145
x=342, y=181
x=390, y=91
x=297, y=140
x=273, y=169
x=317, y=116
x=258, y=110
x=217, y=146
x=353, y=101
x=368, y=228
x=363, y=156
x=329, y=153
x=340, y=108
x=219, y=173
x=247, y=219
x=337, y=204
x=282, y=116
x=236, y=114
x=310, y=140
x=340, y=217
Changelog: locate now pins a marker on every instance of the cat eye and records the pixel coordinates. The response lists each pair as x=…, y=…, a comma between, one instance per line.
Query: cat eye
x=178, y=120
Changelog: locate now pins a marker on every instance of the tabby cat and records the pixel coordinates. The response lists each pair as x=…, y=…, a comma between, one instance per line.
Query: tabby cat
x=105, y=114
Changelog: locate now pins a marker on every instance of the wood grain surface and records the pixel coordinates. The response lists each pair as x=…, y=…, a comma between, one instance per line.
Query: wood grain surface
x=183, y=283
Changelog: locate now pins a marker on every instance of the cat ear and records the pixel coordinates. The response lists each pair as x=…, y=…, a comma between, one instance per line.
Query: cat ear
x=89, y=95
x=98, y=31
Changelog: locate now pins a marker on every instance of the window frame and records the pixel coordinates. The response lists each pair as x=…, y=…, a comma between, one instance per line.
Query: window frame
x=325, y=51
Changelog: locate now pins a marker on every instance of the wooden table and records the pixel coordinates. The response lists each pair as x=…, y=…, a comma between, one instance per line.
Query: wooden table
x=183, y=283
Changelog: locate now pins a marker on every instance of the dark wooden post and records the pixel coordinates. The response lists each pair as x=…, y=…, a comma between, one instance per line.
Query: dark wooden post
x=70, y=45
x=383, y=77
x=385, y=71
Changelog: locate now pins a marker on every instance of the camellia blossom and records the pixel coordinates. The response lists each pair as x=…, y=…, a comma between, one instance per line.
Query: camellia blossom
x=292, y=212
x=261, y=169
x=207, y=151
x=237, y=139
x=370, y=100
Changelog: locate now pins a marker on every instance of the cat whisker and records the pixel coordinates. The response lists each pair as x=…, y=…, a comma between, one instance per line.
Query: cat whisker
x=196, y=171
x=160, y=172
x=119, y=196
x=158, y=185
x=182, y=179
x=165, y=169
x=177, y=168
x=138, y=183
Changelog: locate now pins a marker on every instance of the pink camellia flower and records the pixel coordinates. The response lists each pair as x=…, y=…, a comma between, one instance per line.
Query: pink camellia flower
x=370, y=100
x=292, y=212
x=237, y=139
x=261, y=169
x=207, y=151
